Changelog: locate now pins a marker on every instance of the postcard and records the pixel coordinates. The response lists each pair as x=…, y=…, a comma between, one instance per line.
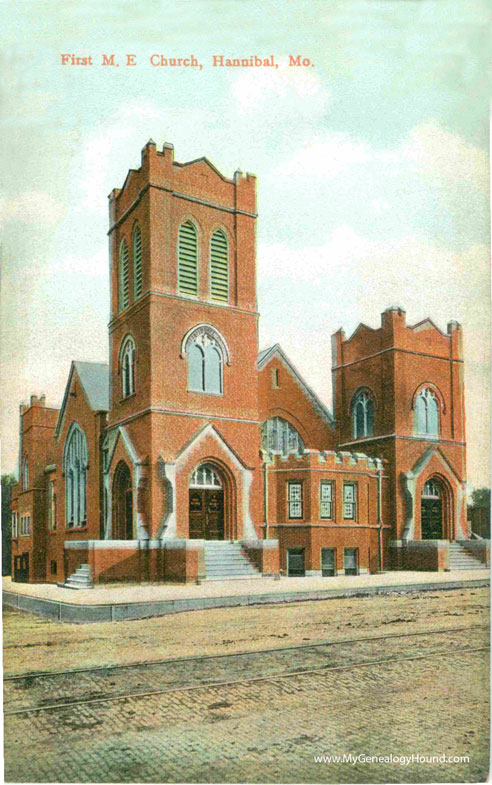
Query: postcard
x=245, y=260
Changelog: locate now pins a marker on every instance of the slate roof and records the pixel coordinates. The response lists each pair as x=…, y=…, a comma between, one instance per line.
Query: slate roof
x=94, y=378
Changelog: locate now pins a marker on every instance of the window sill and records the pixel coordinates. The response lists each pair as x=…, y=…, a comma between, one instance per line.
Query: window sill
x=205, y=392
x=71, y=529
x=127, y=397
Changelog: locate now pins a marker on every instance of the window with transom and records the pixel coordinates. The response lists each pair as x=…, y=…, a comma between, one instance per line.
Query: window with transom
x=206, y=353
x=426, y=417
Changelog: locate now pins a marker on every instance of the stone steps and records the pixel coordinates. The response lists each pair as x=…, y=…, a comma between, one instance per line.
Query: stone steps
x=226, y=560
x=80, y=579
x=461, y=559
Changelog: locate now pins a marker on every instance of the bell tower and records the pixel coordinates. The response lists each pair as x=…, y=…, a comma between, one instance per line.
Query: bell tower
x=184, y=323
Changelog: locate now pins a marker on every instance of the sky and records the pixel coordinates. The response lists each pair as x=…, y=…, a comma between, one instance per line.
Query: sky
x=372, y=166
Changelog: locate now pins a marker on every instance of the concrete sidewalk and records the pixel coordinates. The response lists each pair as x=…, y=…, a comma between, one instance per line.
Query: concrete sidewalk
x=117, y=602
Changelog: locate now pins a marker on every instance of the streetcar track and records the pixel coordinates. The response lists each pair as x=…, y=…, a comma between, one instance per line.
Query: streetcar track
x=248, y=680
x=242, y=653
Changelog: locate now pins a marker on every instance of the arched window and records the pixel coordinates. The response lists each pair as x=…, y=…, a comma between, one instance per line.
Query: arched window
x=206, y=352
x=123, y=277
x=75, y=464
x=25, y=474
x=278, y=435
x=187, y=259
x=426, y=417
x=137, y=263
x=127, y=360
x=205, y=476
x=219, y=267
x=362, y=415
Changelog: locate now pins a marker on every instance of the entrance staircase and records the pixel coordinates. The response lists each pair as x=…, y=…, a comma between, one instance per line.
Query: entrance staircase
x=225, y=560
x=80, y=579
x=461, y=559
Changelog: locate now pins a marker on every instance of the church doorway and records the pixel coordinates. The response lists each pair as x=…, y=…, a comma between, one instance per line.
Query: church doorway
x=431, y=511
x=122, y=503
x=206, y=504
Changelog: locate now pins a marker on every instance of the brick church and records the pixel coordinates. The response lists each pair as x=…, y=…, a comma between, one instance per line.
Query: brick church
x=192, y=455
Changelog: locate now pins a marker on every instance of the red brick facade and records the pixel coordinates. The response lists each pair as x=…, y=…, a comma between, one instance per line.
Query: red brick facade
x=116, y=476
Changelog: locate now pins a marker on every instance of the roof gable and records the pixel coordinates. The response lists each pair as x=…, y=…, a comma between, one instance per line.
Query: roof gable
x=94, y=381
x=267, y=355
x=206, y=161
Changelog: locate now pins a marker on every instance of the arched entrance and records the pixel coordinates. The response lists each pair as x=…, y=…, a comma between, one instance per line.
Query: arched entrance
x=206, y=504
x=432, y=511
x=122, y=503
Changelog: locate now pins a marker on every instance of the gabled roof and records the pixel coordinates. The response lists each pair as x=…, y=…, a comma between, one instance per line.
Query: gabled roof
x=276, y=350
x=94, y=378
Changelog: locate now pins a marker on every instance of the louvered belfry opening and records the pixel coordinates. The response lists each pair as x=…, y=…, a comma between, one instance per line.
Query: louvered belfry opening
x=124, y=277
x=219, y=267
x=137, y=263
x=187, y=259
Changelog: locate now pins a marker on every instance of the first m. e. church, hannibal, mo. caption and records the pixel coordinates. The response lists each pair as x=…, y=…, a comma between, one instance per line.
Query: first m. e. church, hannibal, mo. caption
x=194, y=455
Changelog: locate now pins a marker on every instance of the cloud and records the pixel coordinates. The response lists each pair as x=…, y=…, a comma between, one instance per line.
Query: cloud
x=428, y=149
x=257, y=89
x=31, y=207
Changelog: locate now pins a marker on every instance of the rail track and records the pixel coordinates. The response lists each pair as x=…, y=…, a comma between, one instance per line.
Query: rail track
x=68, y=689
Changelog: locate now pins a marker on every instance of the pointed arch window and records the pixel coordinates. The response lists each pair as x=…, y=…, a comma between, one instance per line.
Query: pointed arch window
x=219, y=267
x=75, y=465
x=206, y=352
x=426, y=417
x=280, y=436
x=127, y=367
x=362, y=415
x=25, y=474
x=123, y=277
x=187, y=259
x=137, y=263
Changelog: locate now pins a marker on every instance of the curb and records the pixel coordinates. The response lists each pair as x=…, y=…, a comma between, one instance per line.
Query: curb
x=85, y=614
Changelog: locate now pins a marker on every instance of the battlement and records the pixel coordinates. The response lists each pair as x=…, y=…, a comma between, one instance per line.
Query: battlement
x=198, y=179
x=394, y=333
x=329, y=460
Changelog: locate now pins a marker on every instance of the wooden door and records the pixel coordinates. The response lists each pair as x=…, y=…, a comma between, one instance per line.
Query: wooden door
x=431, y=519
x=214, y=523
x=21, y=568
x=197, y=513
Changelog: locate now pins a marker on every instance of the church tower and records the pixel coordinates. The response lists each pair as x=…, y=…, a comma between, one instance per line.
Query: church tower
x=183, y=352
x=399, y=394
